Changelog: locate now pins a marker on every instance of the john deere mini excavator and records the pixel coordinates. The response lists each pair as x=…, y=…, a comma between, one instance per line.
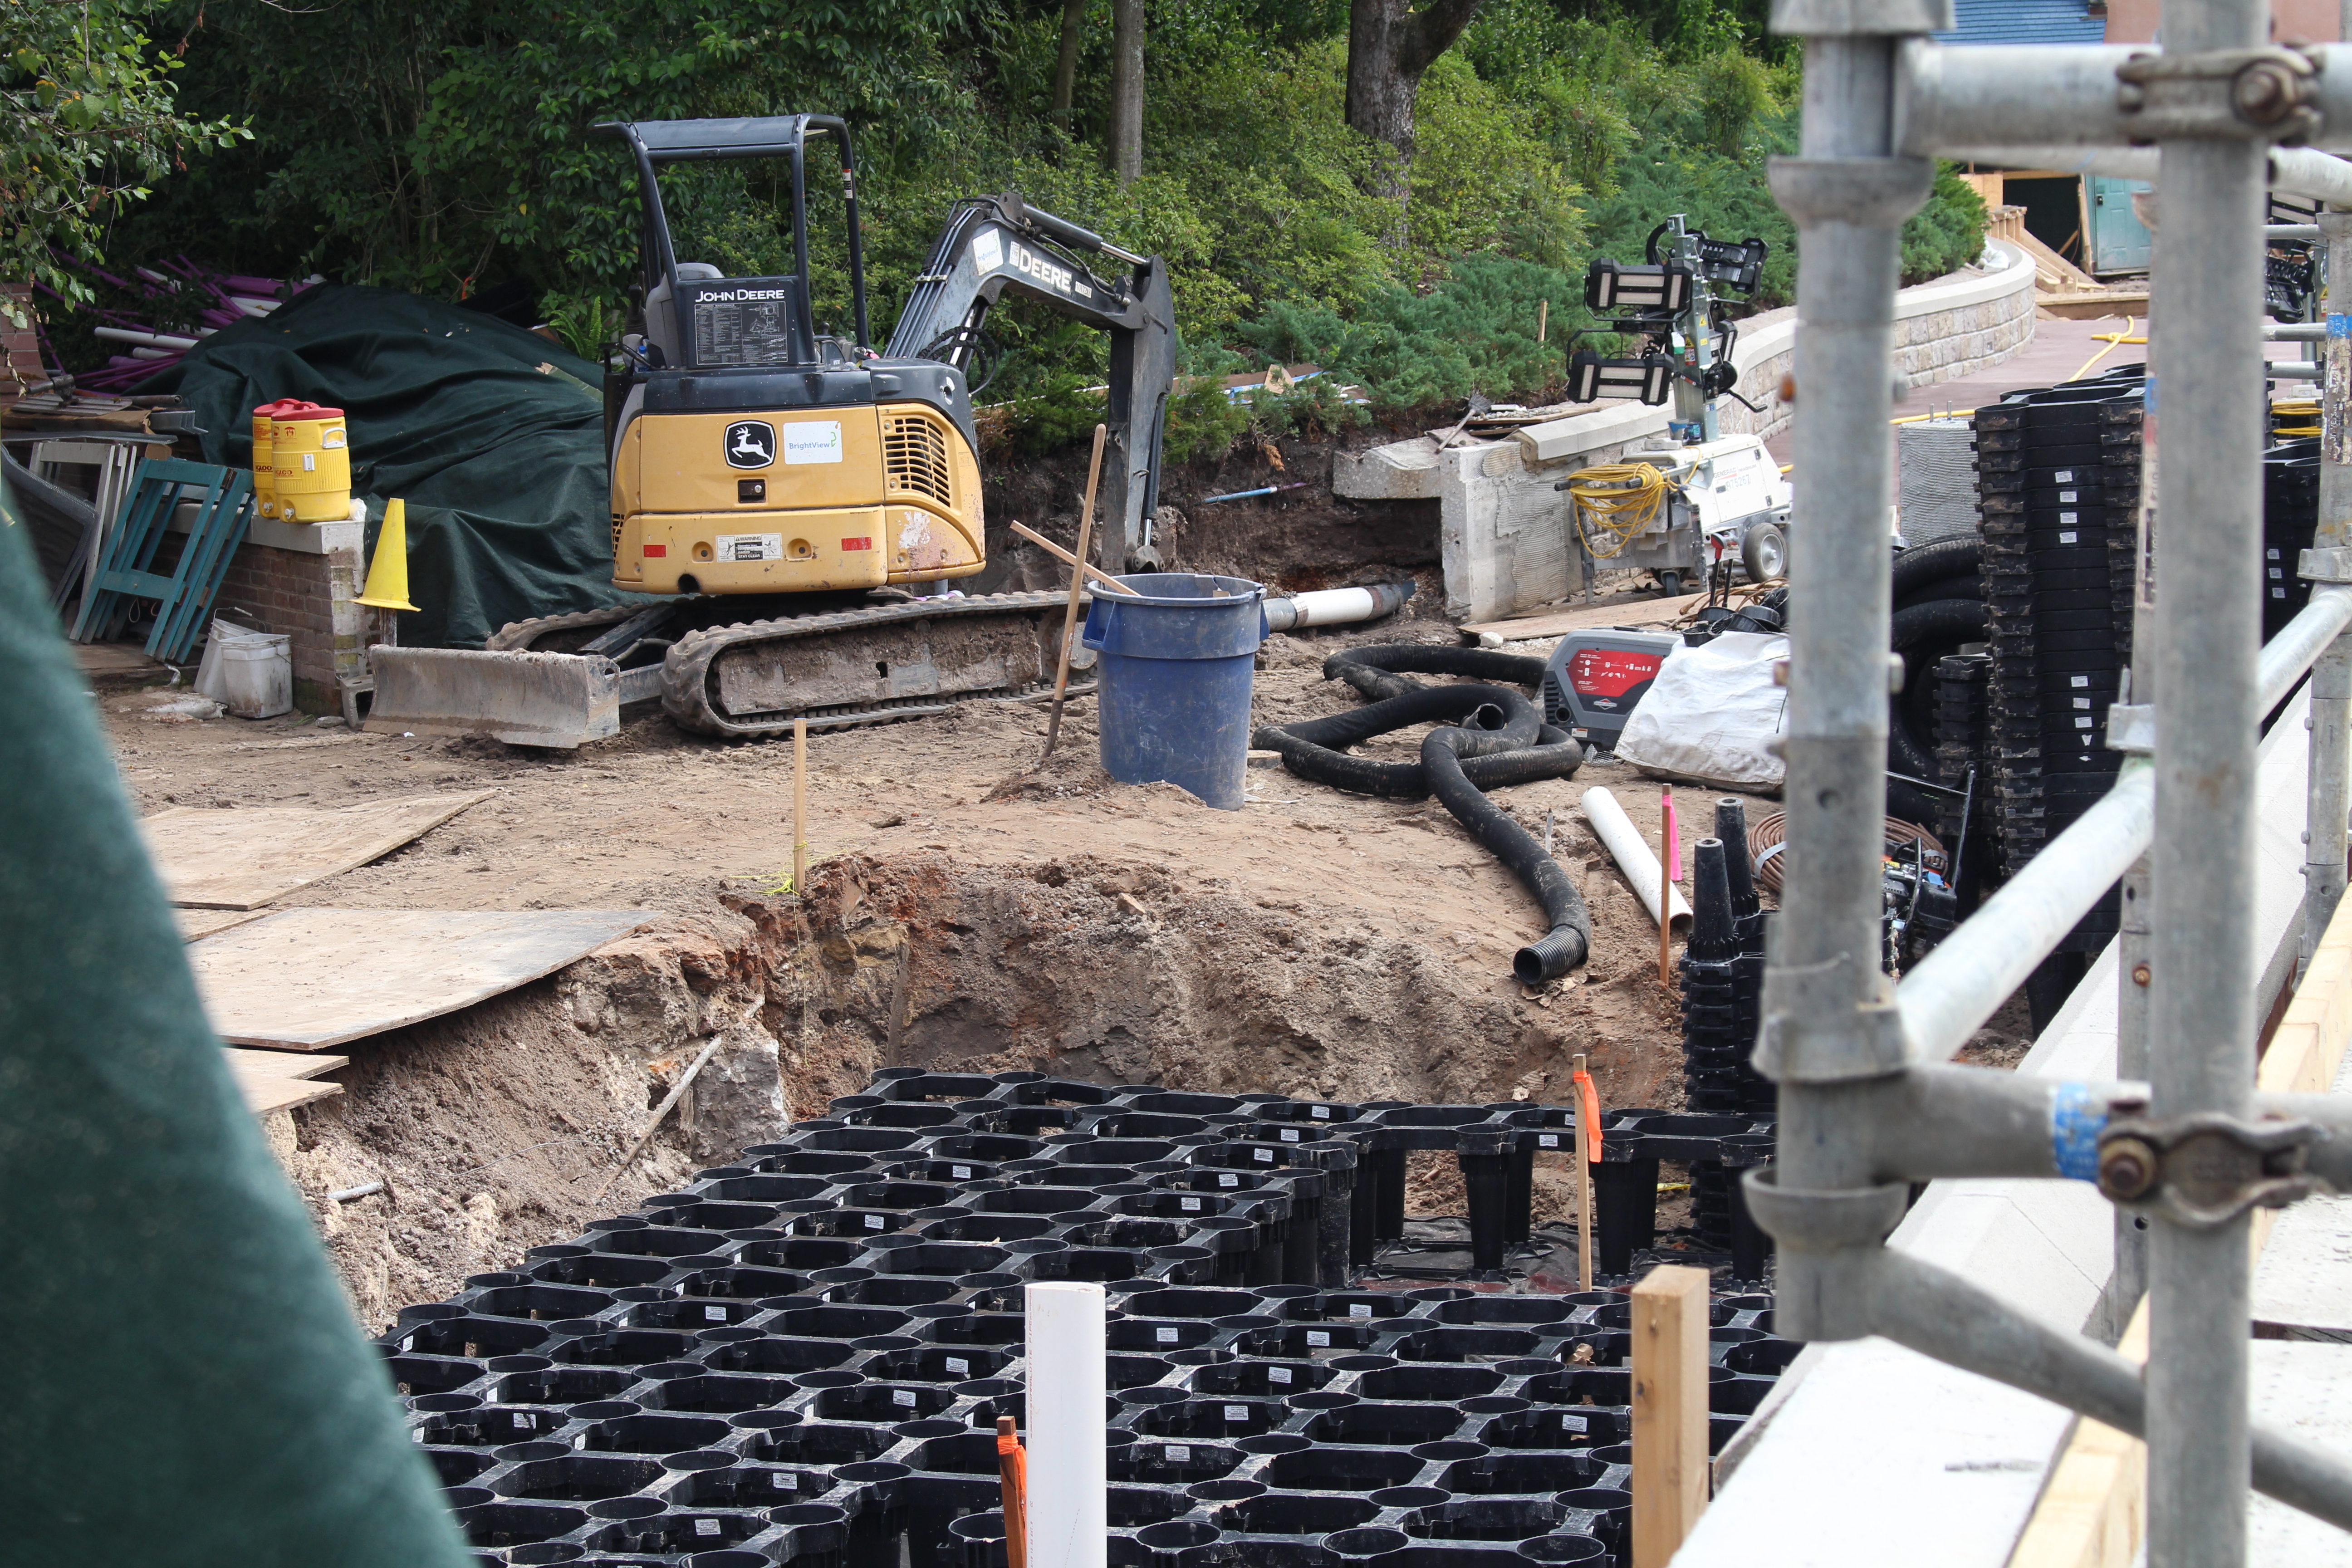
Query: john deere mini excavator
x=795, y=497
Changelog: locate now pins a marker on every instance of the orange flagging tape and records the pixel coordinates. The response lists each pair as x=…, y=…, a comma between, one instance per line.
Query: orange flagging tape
x=1587, y=1110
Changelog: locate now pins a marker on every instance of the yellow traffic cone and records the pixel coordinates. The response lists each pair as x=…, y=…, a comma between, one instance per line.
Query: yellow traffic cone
x=387, y=578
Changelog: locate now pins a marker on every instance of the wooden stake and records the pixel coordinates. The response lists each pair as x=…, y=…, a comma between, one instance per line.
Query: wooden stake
x=1584, y=1190
x=1095, y=574
x=1013, y=1478
x=678, y=1092
x=1666, y=914
x=800, y=808
x=1670, y=1463
x=1543, y=318
x=1077, y=586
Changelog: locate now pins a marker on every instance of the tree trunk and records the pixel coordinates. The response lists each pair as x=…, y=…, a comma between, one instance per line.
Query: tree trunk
x=1127, y=89
x=1066, y=68
x=1389, y=47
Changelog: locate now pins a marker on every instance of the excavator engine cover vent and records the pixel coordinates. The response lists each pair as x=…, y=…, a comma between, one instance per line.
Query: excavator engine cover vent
x=915, y=457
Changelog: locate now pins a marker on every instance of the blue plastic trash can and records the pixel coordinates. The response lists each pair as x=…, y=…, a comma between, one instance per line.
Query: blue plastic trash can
x=1175, y=679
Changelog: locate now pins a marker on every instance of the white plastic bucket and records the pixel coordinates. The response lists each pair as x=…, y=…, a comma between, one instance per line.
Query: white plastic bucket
x=250, y=673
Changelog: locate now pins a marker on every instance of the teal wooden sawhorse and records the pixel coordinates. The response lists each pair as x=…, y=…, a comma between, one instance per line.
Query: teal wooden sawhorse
x=184, y=597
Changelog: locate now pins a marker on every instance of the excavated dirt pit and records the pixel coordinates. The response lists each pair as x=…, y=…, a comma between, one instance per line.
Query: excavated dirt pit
x=966, y=910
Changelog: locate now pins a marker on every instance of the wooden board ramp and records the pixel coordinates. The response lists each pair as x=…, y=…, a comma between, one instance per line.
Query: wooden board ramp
x=195, y=925
x=280, y=1080
x=302, y=980
x=252, y=856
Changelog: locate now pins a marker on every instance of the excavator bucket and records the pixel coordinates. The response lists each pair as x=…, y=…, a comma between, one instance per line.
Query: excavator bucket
x=555, y=699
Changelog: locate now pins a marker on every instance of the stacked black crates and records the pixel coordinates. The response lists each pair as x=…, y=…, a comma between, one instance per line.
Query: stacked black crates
x=1963, y=751
x=2059, y=474
x=1722, y=973
x=2290, y=517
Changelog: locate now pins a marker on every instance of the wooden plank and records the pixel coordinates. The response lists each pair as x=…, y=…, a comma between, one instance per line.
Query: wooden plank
x=196, y=924
x=282, y=1064
x=263, y=1096
x=2093, y=1509
x=252, y=856
x=1670, y=1446
x=305, y=979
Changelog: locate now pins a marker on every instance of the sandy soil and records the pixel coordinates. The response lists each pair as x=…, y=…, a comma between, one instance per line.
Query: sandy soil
x=964, y=908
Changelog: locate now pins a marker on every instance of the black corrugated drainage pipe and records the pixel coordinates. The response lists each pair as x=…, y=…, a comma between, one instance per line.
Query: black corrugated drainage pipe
x=1497, y=737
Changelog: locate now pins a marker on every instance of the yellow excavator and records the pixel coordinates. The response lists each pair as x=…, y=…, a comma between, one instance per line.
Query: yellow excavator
x=804, y=504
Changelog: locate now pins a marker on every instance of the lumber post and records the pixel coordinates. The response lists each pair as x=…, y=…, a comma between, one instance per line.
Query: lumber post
x=1670, y=1435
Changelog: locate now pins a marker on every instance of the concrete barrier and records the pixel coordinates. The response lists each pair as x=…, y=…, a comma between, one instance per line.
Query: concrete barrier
x=1504, y=535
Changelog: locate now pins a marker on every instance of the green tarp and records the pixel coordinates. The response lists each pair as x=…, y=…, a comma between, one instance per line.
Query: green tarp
x=185, y=1385
x=493, y=436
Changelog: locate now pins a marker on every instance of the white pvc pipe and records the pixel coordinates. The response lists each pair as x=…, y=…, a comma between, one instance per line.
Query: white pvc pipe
x=1068, y=1510
x=148, y=340
x=1634, y=854
x=1335, y=606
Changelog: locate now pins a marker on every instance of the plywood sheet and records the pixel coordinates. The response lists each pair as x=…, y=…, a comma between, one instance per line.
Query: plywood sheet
x=280, y=1080
x=252, y=856
x=305, y=979
x=196, y=924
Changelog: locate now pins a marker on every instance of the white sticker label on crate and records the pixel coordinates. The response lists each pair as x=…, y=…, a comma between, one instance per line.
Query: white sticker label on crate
x=873, y=1222
x=961, y=1173
x=2082, y=702
x=1319, y=1112
x=780, y=1479
x=2278, y=570
x=1360, y=1309
x=1320, y=1338
x=1278, y=1374
x=2278, y=593
x=706, y=1527
x=1265, y=1156
x=1229, y=1180
x=1177, y=1454
x=408, y=1344
x=1190, y=1206
x=1236, y=1412
x=749, y=546
x=714, y=1315
x=417, y=1436
x=1164, y=1336
x=2067, y=538
x=2082, y=723
x=1571, y=1423
x=2079, y=680
x=959, y=1366
x=1290, y=1135
x=903, y=1396
x=2066, y=498
x=1546, y=1140
x=812, y=441
x=2068, y=517
x=581, y=1441
x=2064, y=476
x=526, y=1422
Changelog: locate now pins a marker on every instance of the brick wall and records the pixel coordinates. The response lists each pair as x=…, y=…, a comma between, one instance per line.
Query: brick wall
x=19, y=346
x=304, y=591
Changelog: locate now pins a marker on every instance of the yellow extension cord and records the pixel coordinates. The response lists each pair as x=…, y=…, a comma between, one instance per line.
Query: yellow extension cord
x=1621, y=499
x=2306, y=410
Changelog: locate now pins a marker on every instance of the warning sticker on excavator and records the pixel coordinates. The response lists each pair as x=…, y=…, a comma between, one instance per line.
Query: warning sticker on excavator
x=749, y=546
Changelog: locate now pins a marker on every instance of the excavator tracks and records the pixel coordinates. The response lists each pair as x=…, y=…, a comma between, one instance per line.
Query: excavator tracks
x=873, y=664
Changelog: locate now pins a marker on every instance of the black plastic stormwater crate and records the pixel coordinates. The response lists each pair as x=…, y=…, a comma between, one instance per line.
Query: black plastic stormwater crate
x=800, y=1358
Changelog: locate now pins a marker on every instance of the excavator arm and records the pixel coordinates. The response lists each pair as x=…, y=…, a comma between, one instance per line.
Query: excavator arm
x=993, y=244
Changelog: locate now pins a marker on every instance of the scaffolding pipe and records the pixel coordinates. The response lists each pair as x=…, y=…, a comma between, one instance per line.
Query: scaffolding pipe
x=1991, y=101
x=2330, y=793
x=2298, y=171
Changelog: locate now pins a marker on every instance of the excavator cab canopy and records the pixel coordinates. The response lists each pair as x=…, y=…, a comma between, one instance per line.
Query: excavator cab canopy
x=699, y=318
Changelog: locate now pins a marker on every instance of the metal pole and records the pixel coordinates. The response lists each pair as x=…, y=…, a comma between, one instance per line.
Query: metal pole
x=1829, y=1018
x=2331, y=677
x=2207, y=319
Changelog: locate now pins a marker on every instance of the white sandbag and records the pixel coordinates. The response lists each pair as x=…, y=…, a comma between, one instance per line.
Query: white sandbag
x=1712, y=714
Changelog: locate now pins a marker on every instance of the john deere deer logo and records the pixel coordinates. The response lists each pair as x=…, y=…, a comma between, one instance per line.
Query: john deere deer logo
x=750, y=444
